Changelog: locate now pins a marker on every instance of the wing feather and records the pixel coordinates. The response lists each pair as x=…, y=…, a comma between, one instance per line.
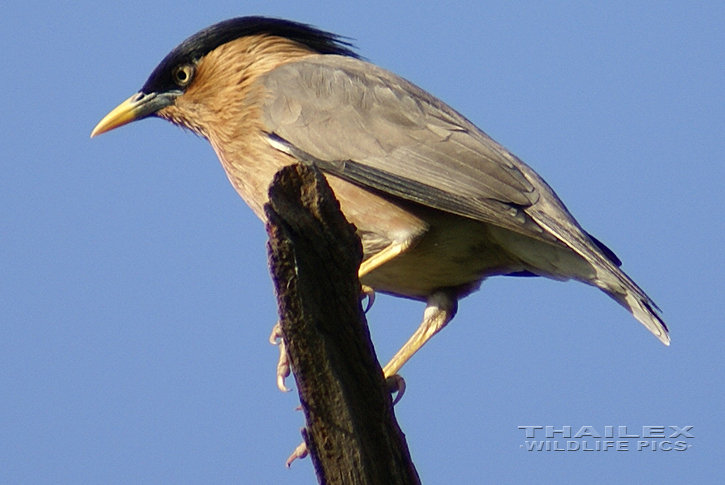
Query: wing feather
x=369, y=126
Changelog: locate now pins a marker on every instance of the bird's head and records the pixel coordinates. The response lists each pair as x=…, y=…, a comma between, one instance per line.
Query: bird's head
x=208, y=72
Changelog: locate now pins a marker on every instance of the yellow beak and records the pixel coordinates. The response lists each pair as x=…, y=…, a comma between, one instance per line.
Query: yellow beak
x=138, y=106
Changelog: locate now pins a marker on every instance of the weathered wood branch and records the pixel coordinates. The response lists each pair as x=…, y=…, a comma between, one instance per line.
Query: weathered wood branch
x=352, y=434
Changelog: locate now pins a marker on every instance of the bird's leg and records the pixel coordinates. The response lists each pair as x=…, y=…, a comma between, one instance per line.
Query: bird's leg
x=377, y=260
x=440, y=310
x=283, y=365
x=387, y=254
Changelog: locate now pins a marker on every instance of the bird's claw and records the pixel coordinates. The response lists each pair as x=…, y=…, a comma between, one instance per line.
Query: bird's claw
x=283, y=365
x=395, y=384
x=369, y=295
x=300, y=452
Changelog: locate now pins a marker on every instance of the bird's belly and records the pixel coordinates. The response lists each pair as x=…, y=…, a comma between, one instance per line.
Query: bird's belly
x=456, y=255
x=447, y=251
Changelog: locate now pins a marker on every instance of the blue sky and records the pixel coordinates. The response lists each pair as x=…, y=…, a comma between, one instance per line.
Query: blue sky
x=135, y=301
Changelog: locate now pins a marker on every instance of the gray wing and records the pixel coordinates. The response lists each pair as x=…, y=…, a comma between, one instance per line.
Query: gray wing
x=373, y=128
x=369, y=126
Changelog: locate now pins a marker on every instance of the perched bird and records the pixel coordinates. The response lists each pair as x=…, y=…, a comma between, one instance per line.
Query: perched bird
x=438, y=204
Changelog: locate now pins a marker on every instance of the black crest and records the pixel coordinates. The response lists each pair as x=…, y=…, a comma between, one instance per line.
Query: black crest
x=205, y=41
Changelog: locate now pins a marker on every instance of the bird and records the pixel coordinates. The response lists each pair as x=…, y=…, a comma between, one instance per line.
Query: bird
x=438, y=204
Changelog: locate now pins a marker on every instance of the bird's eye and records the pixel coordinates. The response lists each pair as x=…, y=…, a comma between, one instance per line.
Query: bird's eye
x=183, y=74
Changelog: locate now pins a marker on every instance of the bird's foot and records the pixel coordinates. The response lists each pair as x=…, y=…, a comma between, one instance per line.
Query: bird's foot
x=300, y=452
x=283, y=365
x=396, y=385
x=369, y=295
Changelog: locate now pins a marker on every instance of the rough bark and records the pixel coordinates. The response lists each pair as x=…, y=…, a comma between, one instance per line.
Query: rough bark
x=314, y=253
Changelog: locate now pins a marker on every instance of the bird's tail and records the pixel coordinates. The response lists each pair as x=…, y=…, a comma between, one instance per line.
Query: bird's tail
x=608, y=276
x=631, y=297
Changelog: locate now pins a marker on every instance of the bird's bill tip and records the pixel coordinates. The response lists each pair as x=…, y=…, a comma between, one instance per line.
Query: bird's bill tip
x=137, y=107
x=121, y=115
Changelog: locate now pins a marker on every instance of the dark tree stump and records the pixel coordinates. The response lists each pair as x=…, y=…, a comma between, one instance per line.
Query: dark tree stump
x=314, y=254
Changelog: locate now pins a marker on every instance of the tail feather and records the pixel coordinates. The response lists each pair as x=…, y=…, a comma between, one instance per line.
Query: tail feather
x=643, y=309
x=608, y=276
